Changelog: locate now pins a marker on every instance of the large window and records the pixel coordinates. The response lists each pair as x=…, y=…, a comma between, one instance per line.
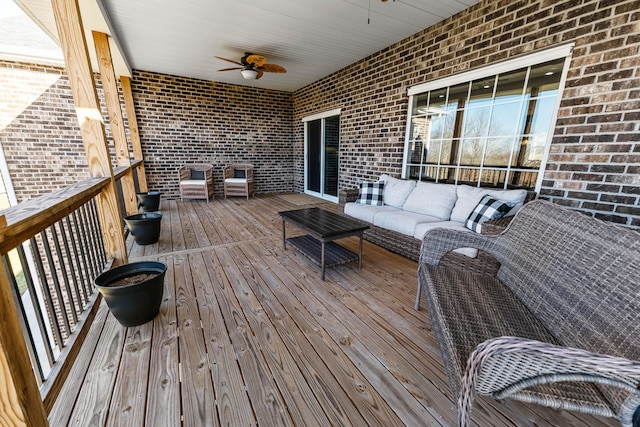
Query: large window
x=490, y=127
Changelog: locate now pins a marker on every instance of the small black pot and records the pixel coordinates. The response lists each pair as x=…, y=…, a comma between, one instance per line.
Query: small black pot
x=149, y=202
x=137, y=303
x=144, y=227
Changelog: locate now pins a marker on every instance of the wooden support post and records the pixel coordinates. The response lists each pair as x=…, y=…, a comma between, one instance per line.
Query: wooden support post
x=125, y=82
x=20, y=401
x=112, y=97
x=76, y=56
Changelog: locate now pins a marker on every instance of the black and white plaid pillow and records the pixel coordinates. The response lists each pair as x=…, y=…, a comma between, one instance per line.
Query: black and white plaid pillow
x=370, y=193
x=488, y=208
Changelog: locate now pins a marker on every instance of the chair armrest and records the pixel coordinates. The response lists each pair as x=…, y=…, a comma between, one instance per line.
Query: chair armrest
x=502, y=367
x=346, y=196
x=227, y=172
x=184, y=173
x=438, y=242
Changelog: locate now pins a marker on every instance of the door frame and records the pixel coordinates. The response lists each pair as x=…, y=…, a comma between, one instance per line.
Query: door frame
x=318, y=116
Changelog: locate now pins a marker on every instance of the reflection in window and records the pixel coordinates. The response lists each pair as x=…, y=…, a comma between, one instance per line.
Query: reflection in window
x=490, y=131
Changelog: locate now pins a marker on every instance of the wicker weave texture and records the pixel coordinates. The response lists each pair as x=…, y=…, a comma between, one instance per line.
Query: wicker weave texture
x=578, y=277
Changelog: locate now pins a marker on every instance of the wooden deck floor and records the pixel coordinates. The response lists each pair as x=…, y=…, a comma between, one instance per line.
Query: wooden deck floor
x=249, y=335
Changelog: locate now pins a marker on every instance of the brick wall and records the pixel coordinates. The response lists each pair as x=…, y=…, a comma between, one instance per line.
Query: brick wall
x=184, y=120
x=39, y=130
x=594, y=164
x=181, y=120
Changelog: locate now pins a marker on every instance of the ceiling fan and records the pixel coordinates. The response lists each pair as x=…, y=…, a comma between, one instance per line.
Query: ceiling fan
x=253, y=66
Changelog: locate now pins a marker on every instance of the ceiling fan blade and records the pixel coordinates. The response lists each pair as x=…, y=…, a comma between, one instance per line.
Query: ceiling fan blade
x=273, y=68
x=229, y=60
x=260, y=73
x=256, y=60
x=234, y=68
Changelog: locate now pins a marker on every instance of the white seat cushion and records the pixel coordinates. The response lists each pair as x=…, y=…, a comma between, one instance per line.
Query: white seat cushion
x=432, y=199
x=401, y=221
x=469, y=197
x=236, y=180
x=366, y=212
x=421, y=230
x=396, y=190
x=193, y=182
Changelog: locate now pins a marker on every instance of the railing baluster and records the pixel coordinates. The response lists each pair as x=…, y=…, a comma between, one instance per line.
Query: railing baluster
x=80, y=272
x=65, y=278
x=33, y=293
x=86, y=228
x=53, y=319
x=56, y=284
x=35, y=360
x=77, y=300
x=98, y=229
x=82, y=242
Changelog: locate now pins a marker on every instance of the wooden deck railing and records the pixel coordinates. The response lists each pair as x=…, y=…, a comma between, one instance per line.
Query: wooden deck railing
x=52, y=248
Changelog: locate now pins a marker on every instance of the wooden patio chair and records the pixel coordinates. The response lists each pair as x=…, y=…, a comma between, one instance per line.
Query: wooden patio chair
x=196, y=181
x=238, y=180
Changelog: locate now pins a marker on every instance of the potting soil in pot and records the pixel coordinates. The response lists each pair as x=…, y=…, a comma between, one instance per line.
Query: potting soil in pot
x=131, y=280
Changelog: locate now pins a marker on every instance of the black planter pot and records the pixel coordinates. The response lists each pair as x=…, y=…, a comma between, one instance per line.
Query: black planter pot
x=149, y=202
x=144, y=227
x=137, y=303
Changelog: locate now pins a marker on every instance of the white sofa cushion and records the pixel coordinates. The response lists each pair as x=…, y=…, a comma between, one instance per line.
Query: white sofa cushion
x=396, y=190
x=401, y=221
x=421, y=230
x=366, y=212
x=469, y=197
x=432, y=199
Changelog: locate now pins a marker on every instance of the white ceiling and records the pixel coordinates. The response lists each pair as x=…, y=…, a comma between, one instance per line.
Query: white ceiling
x=310, y=38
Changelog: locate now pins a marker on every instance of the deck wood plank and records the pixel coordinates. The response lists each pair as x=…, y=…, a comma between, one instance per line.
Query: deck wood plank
x=130, y=390
x=209, y=224
x=177, y=237
x=336, y=381
x=238, y=209
x=209, y=211
x=232, y=400
x=230, y=221
x=164, y=242
x=163, y=402
x=303, y=407
x=94, y=397
x=198, y=399
x=61, y=411
x=383, y=367
x=266, y=400
x=188, y=232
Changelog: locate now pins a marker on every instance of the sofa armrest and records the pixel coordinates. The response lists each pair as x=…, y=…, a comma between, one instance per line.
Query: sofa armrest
x=496, y=226
x=438, y=242
x=503, y=367
x=346, y=196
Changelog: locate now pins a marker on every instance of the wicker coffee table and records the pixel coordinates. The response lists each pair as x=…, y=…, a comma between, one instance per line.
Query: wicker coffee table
x=322, y=228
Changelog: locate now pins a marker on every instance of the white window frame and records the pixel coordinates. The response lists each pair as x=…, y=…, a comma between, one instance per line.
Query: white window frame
x=558, y=52
x=318, y=116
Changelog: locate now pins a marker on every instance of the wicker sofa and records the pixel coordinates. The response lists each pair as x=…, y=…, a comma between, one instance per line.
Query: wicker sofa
x=558, y=325
x=461, y=200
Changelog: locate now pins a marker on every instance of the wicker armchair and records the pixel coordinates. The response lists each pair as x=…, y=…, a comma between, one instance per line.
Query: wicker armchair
x=196, y=181
x=238, y=180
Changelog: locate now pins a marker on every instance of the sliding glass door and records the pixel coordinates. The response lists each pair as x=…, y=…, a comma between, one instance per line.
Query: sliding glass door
x=322, y=159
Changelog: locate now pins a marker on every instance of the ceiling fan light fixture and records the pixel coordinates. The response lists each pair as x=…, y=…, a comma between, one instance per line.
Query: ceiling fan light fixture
x=249, y=74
